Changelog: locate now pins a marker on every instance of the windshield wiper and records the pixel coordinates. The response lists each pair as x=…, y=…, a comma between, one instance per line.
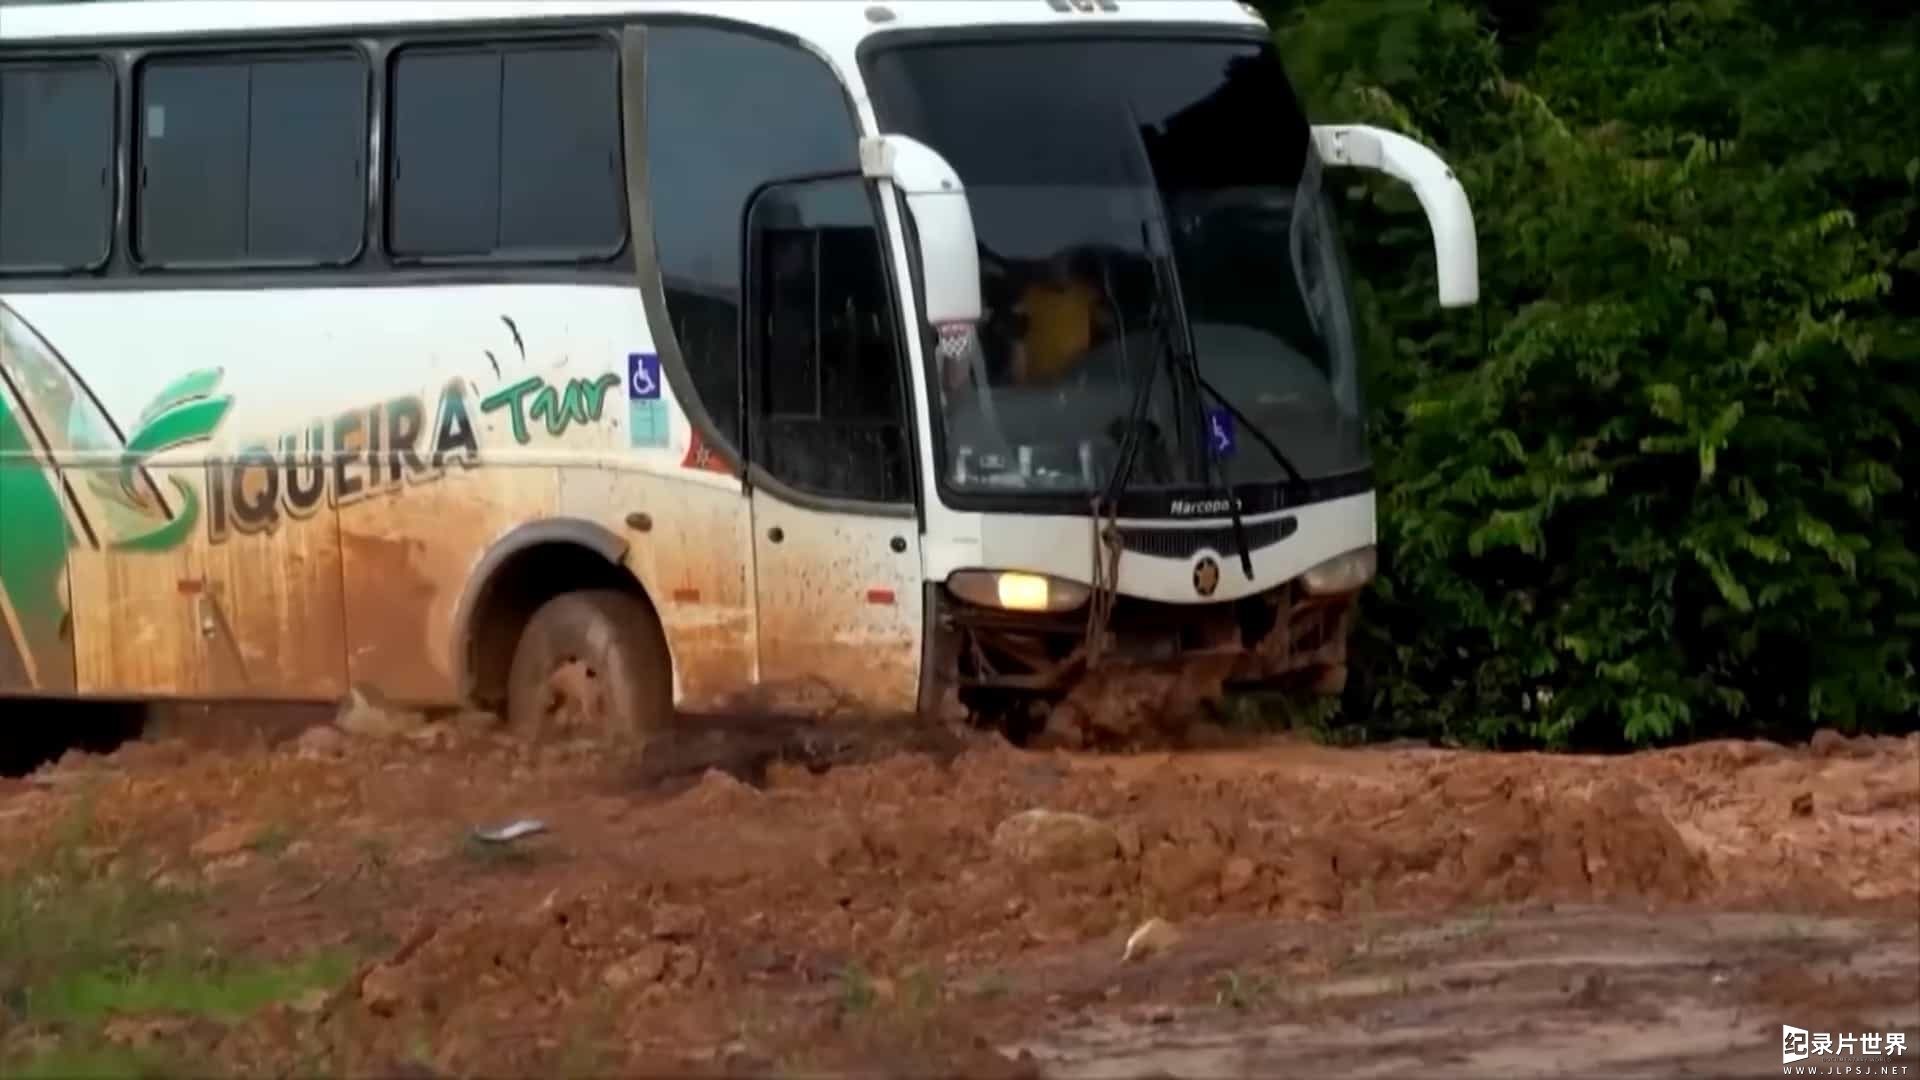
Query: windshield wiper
x=1129, y=442
x=1182, y=355
x=1177, y=348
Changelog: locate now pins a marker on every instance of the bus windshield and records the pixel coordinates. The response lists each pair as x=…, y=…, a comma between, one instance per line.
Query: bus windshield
x=1088, y=162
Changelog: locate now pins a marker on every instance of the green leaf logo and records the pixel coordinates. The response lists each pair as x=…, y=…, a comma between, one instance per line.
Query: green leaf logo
x=187, y=411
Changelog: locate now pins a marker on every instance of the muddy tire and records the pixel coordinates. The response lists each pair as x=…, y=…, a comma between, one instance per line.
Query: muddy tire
x=590, y=664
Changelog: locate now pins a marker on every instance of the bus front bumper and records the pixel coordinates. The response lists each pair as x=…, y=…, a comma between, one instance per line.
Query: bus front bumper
x=1155, y=665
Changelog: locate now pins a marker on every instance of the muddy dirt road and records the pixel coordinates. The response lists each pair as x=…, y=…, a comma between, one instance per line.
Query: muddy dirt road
x=944, y=904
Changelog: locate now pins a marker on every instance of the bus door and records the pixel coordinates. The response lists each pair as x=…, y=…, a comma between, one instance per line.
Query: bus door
x=836, y=538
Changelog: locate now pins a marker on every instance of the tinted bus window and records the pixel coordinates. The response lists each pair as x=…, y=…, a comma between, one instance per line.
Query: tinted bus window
x=507, y=150
x=829, y=409
x=727, y=114
x=56, y=153
x=252, y=160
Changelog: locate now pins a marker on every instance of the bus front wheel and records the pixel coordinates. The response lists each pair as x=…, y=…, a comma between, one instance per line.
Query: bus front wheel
x=590, y=664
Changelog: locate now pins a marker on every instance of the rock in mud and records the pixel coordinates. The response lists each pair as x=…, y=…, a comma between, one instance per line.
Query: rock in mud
x=1236, y=876
x=646, y=965
x=1175, y=870
x=321, y=741
x=367, y=712
x=224, y=841
x=1136, y=705
x=431, y=736
x=381, y=991
x=312, y=1003
x=226, y=868
x=1065, y=729
x=683, y=964
x=718, y=790
x=1155, y=936
x=1589, y=990
x=676, y=922
x=141, y=1032
x=1056, y=839
x=1827, y=743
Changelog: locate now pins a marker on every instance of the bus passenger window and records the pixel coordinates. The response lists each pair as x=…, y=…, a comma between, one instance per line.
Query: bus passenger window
x=56, y=153
x=829, y=406
x=251, y=159
x=507, y=151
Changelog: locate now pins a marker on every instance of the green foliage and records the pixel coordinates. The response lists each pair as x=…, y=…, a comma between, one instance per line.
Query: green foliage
x=1657, y=487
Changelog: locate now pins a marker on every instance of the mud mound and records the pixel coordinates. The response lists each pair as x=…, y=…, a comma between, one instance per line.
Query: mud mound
x=747, y=745
x=1136, y=707
x=548, y=948
x=778, y=884
x=1302, y=841
x=1599, y=839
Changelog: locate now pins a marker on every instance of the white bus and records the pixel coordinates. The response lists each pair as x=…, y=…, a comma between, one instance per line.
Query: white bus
x=582, y=359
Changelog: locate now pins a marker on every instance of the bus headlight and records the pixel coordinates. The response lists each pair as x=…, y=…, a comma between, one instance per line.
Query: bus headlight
x=1342, y=573
x=1015, y=591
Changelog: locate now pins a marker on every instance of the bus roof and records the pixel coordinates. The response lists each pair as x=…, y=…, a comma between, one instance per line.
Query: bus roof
x=829, y=23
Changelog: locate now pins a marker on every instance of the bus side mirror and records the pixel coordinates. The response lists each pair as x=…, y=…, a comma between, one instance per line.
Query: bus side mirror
x=942, y=223
x=1456, y=252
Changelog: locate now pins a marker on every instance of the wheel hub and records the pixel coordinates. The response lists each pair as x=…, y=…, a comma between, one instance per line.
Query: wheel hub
x=575, y=697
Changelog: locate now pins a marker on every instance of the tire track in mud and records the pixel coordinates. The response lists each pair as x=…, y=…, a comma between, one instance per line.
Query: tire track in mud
x=1539, y=991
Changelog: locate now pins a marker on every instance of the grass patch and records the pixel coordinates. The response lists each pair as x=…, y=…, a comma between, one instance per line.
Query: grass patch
x=1266, y=712
x=915, y=996
x=1241, y=992
x=857, y=993
x=82, y=942
x=376, y=854
x=902, y=1013
x=920, y=991
x=62, y=917
x=590, y=1034
x=1480, y=923
x=272, y=841
x=994, y=987
x=209, y=985
x=96, y=1062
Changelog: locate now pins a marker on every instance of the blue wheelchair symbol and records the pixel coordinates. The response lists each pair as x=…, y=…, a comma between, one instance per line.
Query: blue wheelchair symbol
x=643, y=376
x=1220, y=441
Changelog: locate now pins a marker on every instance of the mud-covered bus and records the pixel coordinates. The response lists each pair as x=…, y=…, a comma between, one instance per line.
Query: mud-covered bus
x=580, y=360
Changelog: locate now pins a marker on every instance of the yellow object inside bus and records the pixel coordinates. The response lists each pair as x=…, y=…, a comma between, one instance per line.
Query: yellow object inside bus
x=1059, y=320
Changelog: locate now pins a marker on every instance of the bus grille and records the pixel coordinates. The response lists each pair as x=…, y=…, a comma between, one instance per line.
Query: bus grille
x=1184, y=543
